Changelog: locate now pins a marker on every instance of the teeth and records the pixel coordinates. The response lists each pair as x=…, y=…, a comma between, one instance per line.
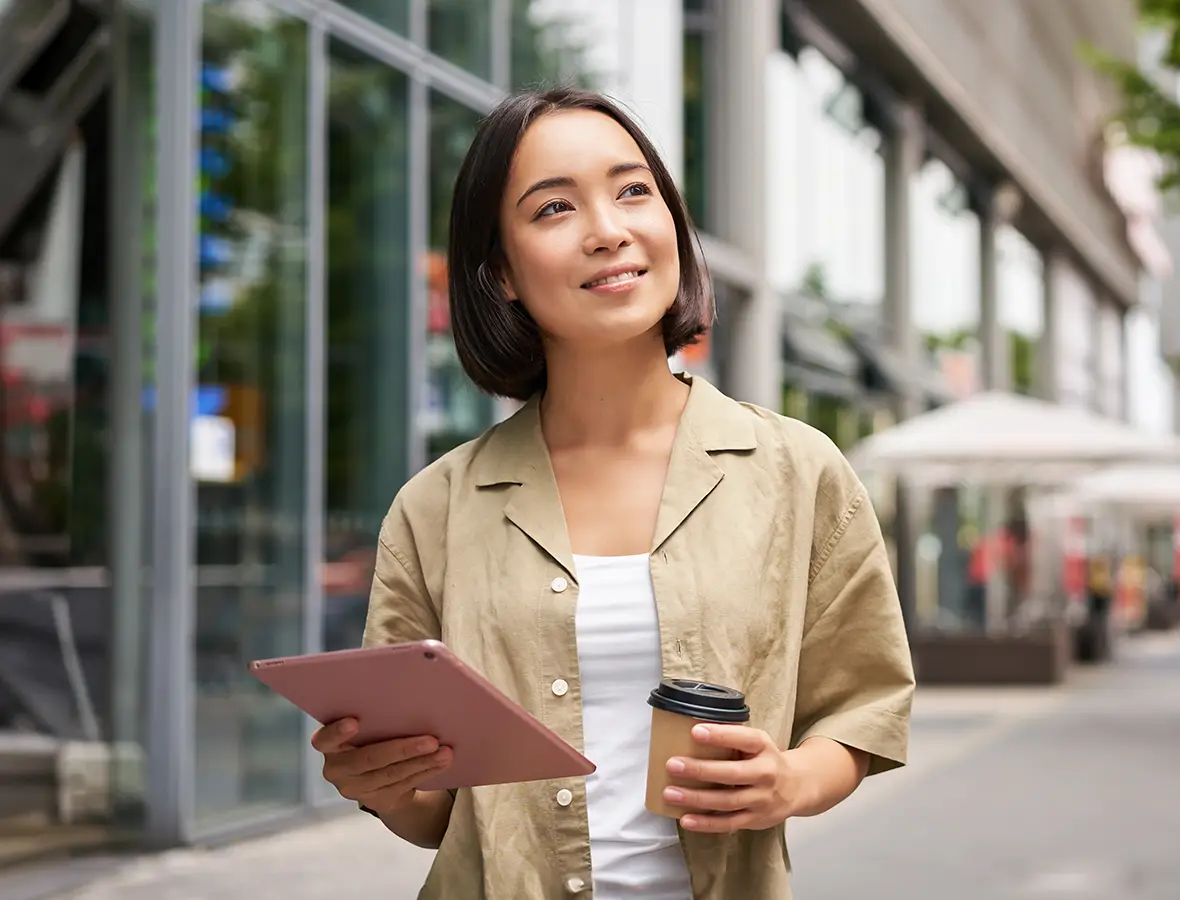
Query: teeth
x=614, y=279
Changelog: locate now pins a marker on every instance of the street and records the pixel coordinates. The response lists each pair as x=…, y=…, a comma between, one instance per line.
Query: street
x=1066, y=793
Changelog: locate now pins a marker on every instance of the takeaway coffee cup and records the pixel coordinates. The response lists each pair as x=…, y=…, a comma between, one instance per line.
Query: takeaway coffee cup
x=676, y=706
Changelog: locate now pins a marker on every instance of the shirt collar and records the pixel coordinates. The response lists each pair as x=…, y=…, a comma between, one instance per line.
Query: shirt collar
x=514, y=454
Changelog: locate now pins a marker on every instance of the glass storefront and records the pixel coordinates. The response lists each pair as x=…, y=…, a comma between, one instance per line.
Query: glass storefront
x=73, y=303
x=323, y=374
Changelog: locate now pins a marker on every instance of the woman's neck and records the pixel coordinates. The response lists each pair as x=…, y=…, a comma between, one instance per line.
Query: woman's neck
x=607, y=396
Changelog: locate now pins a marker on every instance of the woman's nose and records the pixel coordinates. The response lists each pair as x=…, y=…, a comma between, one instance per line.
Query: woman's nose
x=607, y=232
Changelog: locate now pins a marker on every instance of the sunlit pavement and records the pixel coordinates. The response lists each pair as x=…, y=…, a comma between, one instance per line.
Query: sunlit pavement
x=1072, y=795
x=1067, y=793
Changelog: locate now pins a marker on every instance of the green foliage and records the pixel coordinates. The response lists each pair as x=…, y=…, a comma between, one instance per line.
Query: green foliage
x=815, y=280
x=1150, y=116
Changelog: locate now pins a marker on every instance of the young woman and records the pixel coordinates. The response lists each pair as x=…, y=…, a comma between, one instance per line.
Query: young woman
x=626, y=524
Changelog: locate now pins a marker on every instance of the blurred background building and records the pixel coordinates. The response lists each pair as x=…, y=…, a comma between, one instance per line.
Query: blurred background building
x=224, y=337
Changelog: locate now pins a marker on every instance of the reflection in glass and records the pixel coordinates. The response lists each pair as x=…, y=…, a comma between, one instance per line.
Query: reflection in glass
x=248, y=431
x=55, y=420
x=368, y=333
x=391, y=14
x=455, y=411
x=549, y=47
x=826, y=189
x=460, y=32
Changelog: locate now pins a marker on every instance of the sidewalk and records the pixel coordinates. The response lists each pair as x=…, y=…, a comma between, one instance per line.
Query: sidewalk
x=1003, y=759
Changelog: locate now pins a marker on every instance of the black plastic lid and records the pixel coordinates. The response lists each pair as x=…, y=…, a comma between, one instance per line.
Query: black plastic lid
x=710, y=702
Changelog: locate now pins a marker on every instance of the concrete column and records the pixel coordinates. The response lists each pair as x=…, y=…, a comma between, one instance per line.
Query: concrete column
x=996, y=376
x=993, y=346
x=904, y=148
x=746, y=34
x=1047, y=380
x=1124, y=375
x=1098, y=361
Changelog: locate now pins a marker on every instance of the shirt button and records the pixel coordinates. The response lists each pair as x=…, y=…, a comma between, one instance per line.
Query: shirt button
x=560, y=687
x=558, y=584
x=574, y=884
x=564, y=797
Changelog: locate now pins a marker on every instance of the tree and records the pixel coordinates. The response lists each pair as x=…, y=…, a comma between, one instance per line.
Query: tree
x=1149, y=113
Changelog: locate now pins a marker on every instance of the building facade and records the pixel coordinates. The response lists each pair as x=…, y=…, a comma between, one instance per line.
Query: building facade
x=226, y=339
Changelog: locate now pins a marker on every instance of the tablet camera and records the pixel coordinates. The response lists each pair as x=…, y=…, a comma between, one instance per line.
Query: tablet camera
x=430, y=654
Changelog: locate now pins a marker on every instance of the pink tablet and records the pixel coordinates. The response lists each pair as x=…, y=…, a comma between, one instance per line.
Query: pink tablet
x=418, y=688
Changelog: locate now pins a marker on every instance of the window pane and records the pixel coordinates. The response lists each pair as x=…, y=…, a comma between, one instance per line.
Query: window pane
x=696, y=127
x=248, y=432
x=460, y=32
x=368, y=335
x=456, y=411
x=550, y=46
x=391, y=14
x=57, y=369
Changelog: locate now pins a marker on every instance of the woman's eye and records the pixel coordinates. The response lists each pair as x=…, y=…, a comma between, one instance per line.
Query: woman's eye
x=552, y=208
x=638, y=189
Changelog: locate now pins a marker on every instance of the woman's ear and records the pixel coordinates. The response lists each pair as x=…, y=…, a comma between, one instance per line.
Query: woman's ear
x=505, y=278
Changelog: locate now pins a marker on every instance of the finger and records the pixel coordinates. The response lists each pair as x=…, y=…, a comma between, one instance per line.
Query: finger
x=721, y=823
x=334, y=736
x=706, y=800
x=398, y=773
x=411, y=776
x=742, y=738
x=374, y=757
x=736, y=773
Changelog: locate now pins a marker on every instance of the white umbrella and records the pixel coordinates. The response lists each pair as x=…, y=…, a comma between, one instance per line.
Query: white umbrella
x=996, y=437
x=1143, y=490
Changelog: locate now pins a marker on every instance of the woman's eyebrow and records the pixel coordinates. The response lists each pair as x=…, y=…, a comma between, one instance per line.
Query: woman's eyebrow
x=564, y=181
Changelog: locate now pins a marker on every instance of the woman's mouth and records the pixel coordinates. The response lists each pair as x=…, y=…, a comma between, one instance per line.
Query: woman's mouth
x=620, y=281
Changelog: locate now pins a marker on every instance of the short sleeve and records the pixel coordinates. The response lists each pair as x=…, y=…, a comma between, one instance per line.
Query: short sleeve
x=400, y=608
x=856, y=678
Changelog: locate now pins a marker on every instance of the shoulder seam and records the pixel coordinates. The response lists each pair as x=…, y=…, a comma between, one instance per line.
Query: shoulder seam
x=399, y=556
x=837, y=534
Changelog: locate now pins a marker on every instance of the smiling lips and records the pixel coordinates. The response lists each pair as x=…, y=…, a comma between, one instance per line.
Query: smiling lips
x=618, y=281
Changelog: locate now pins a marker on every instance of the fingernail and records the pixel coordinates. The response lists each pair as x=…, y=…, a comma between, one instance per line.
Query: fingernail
x=701, y=732
x=673, y=795
x=688, y=821
x=676, y=766
x=428, y=745
x=349, y=726
x=443, y=755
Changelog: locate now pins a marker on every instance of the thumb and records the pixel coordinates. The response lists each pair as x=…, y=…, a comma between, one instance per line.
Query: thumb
x=334, y=736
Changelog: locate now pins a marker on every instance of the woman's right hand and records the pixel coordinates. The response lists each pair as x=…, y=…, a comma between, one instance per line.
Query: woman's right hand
x=383, y=777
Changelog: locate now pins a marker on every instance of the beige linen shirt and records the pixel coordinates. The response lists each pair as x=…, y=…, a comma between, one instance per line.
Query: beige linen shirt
x=770, y=575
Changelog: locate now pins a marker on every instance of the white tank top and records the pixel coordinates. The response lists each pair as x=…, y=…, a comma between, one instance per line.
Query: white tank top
x=633, y=853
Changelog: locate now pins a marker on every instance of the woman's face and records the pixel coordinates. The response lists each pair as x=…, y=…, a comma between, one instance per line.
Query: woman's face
x=589, y=243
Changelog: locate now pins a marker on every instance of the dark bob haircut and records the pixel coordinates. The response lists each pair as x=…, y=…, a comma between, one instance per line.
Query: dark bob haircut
x=498, y=342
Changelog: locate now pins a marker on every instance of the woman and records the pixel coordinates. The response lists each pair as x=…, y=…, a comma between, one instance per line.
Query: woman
x=625, y=524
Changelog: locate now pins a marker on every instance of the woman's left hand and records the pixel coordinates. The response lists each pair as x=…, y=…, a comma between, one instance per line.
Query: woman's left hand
x=760, y=790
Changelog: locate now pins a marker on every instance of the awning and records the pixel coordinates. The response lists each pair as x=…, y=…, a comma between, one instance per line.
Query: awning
x=821, y=382
x=818, y=361
x=811, y=344
x=887, y=371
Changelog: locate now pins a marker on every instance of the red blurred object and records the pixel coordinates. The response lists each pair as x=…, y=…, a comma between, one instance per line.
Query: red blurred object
x=1074, y=574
